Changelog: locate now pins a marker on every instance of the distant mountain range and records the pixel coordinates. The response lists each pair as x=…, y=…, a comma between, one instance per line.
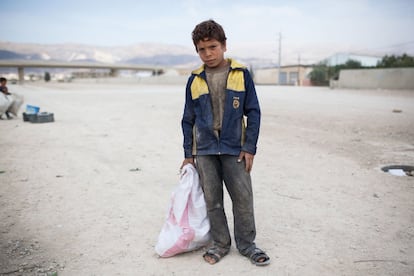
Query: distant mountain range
x=144, y=53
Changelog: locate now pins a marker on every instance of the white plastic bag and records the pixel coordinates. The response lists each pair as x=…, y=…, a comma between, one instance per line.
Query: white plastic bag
x=17, y=101
x=5, y=103
x=187, y=226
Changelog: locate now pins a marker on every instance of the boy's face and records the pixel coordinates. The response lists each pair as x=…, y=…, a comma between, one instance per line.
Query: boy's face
x=211, y=52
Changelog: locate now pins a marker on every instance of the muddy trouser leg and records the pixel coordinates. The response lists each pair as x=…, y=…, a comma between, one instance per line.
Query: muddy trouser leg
x=211, y=180
x=239, y=185
x=213, y=171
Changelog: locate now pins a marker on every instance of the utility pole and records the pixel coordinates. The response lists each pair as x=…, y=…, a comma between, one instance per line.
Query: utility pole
x=298, y=80
x=280, y=58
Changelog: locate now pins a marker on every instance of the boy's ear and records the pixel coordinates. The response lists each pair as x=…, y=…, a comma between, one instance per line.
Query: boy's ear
x=224, y=46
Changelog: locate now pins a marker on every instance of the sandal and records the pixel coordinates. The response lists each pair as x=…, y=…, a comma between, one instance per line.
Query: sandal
x=214, y=255
x=259, y=257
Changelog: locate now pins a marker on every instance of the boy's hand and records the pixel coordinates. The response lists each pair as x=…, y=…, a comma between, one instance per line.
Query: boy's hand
x=248, y=157
x=187, y=161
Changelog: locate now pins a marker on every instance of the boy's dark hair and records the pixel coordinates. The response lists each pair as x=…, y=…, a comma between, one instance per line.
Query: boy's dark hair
x=206, y=30
x=3, y=79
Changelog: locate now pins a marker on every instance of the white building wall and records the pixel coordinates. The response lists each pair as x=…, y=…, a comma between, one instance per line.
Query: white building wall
x=390, y=78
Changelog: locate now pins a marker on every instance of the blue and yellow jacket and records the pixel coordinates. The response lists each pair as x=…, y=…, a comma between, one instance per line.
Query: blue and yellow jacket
x=240, y=101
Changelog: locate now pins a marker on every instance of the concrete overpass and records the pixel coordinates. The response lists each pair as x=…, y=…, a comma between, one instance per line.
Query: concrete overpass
x=113, y=67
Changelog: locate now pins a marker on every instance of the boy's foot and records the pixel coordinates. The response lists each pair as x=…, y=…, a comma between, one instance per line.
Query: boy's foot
x=214, y=254
x=258, y=257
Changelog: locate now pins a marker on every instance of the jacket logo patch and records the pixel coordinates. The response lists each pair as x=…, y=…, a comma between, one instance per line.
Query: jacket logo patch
x=236, y=102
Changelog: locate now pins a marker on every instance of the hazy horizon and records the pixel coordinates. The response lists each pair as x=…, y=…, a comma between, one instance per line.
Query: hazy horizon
x=310, y=30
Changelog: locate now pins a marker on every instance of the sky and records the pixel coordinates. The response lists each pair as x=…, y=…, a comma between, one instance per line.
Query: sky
x=305, y=28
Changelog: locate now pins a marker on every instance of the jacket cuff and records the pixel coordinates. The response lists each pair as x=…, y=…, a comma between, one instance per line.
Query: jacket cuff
x=188, y=154
x=249, y=148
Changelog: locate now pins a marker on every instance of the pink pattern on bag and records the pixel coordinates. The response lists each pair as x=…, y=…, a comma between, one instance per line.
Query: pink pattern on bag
x=185, y=239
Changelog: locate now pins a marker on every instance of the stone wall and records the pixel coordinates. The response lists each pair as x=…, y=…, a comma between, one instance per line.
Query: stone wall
x=390, y=78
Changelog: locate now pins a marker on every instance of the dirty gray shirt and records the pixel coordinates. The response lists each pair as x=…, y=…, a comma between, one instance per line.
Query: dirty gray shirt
x=217, y=82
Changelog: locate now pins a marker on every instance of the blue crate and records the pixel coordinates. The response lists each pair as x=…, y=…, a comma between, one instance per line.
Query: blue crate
x=31, y=109
x=42, y=117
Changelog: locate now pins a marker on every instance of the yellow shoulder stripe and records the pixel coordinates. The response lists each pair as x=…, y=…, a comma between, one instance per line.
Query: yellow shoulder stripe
x=235, y=81
x=198, y=71
x=234, y=64
x=198, y=87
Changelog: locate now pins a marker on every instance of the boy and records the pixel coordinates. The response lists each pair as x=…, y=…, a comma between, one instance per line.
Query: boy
x=5, y=91
x=218, y=96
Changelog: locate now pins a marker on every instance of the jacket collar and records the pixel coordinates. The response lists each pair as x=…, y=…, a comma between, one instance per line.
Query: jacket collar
x=233, y=65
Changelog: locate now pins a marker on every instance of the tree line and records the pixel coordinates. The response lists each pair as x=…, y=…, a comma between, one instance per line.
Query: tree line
x=322, y=73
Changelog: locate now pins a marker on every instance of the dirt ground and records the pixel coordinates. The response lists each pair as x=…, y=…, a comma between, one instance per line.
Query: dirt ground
x=88, y=193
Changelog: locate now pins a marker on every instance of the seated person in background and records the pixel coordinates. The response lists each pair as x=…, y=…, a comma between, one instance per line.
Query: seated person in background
x=5, y=91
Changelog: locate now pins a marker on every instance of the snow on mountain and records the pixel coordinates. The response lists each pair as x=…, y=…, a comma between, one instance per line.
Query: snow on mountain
x=72, y=52
x=144, y=53
x=45, y=56
x=104, y=56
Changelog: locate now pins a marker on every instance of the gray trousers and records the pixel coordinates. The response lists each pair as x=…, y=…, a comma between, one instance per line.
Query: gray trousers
x=213, y=171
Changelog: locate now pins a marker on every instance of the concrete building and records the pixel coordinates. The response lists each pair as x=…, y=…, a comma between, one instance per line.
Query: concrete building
x=286, y=75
